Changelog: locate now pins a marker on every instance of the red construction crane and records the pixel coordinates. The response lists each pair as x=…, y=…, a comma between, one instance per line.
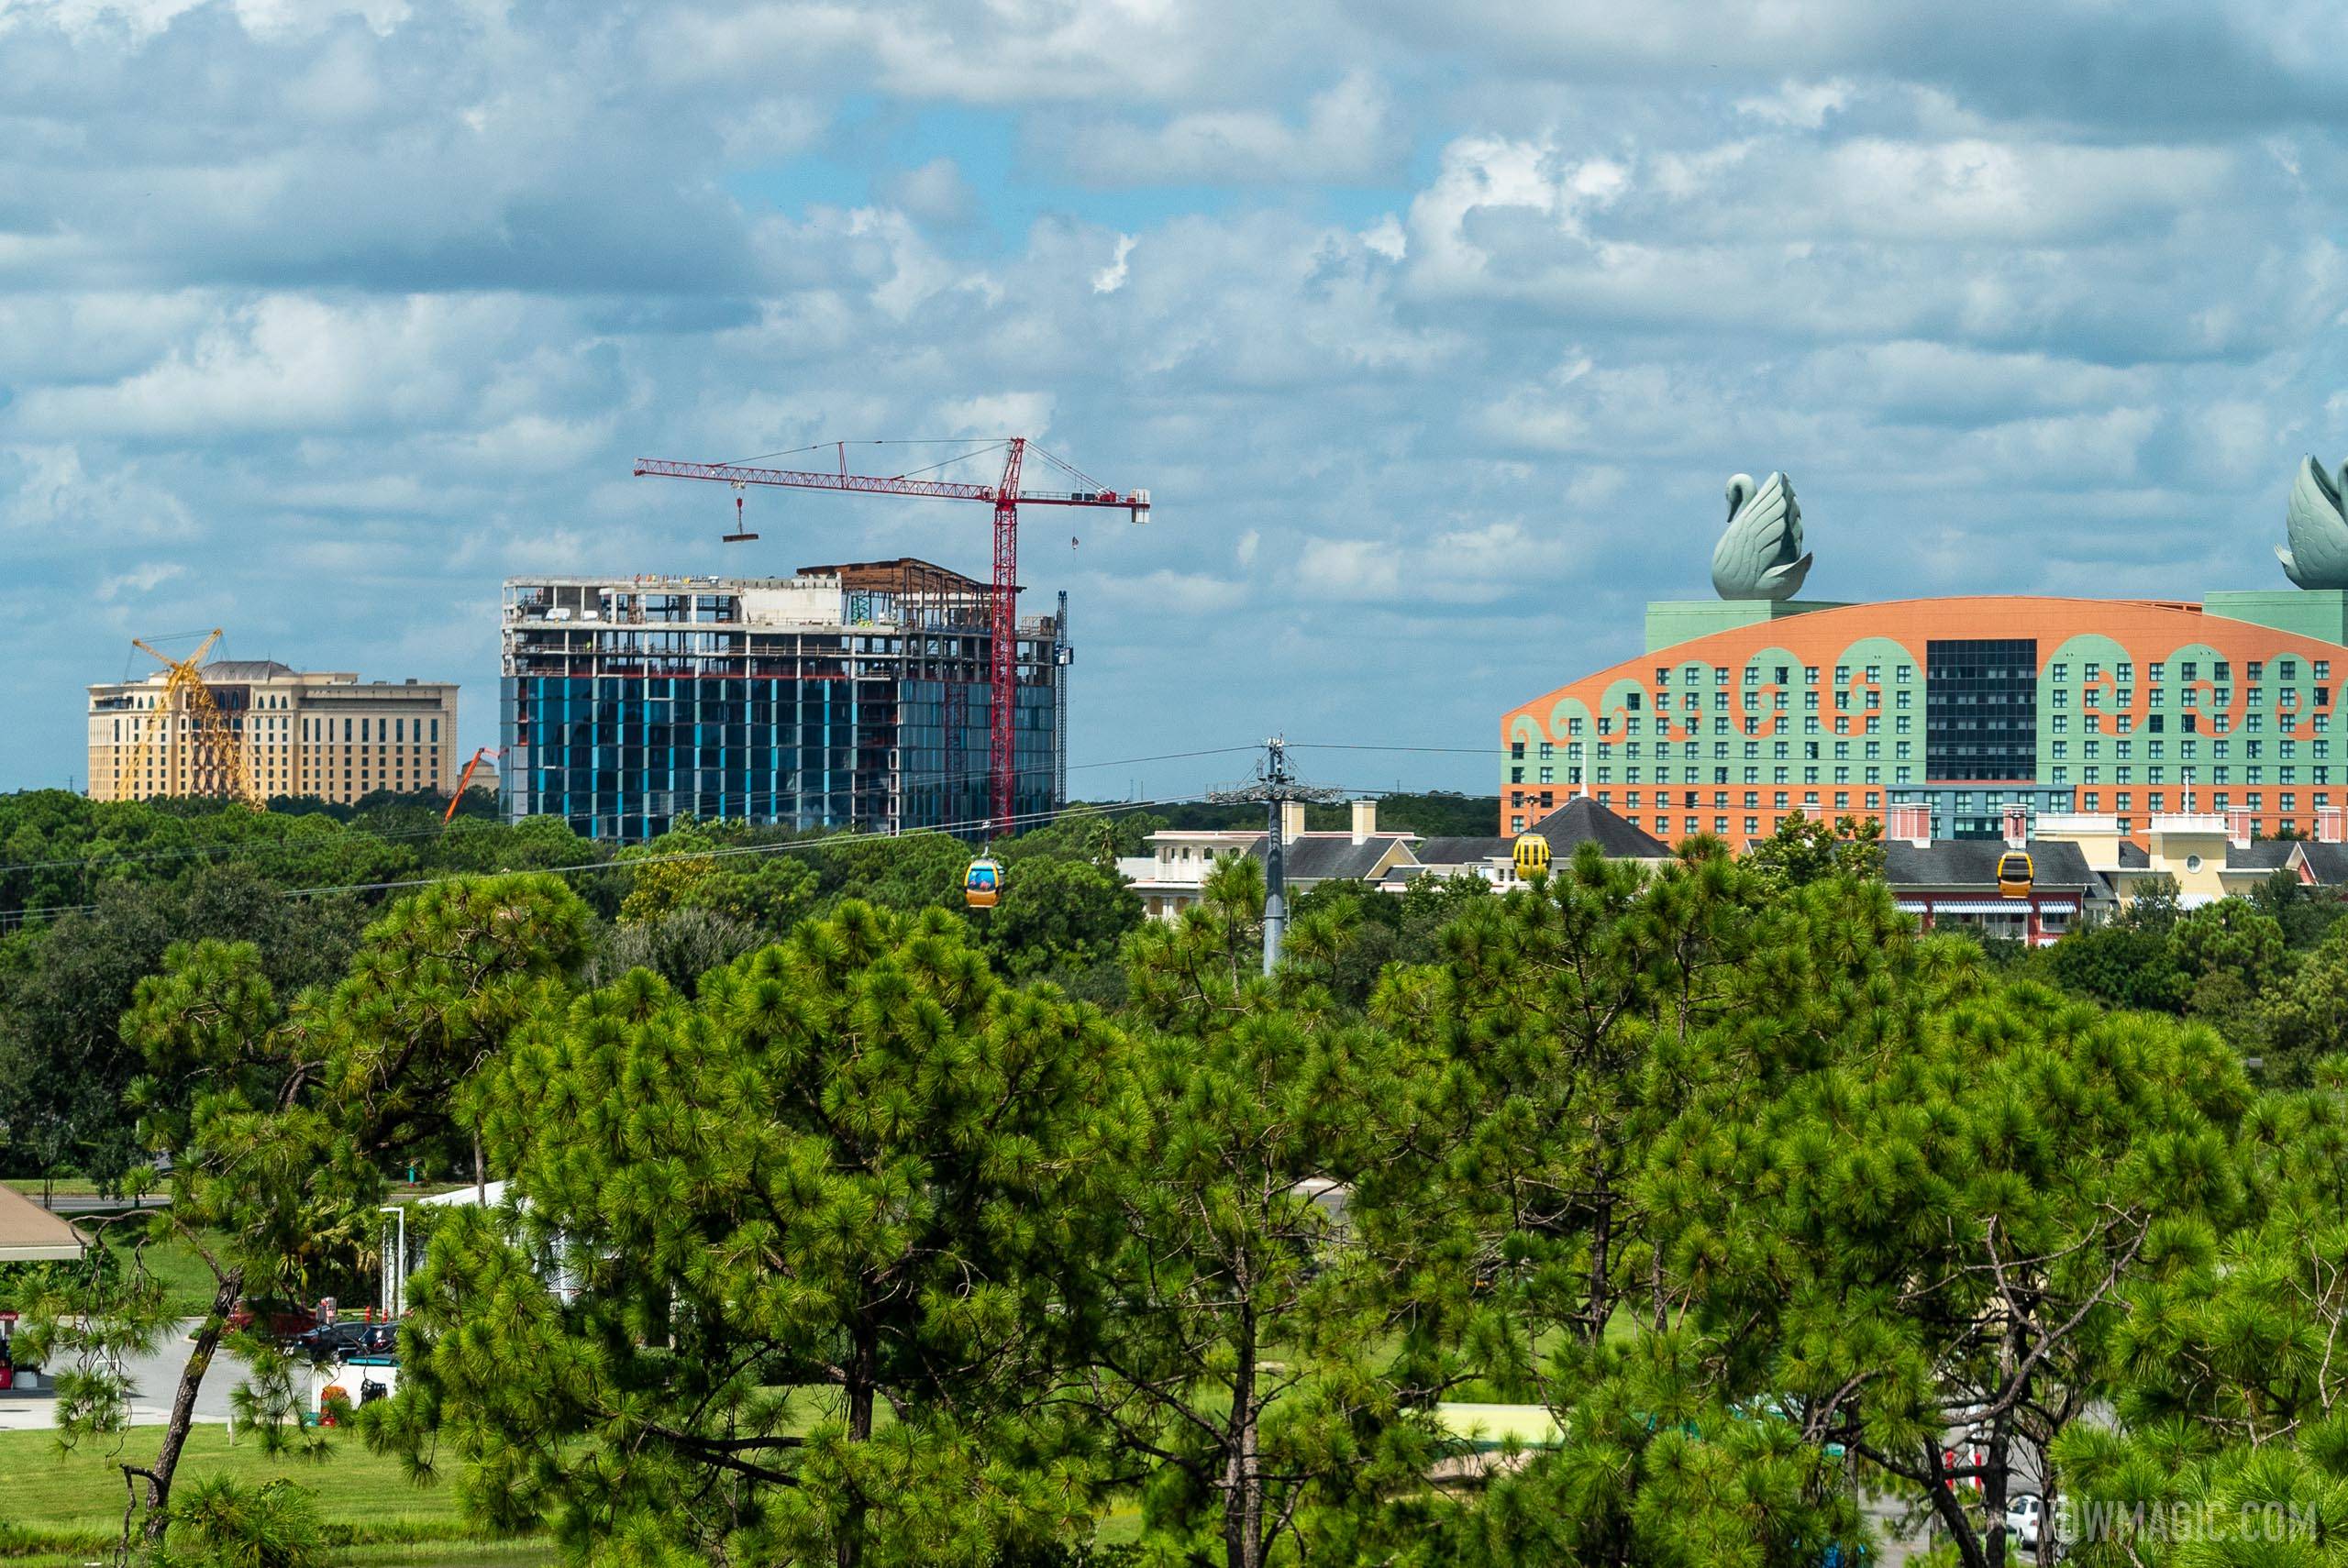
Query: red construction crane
x=1006, y=498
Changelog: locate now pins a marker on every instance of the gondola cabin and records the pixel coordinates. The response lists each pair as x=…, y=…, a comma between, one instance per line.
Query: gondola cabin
x=1530, y=855
x=2015, y=874
x=983, y=884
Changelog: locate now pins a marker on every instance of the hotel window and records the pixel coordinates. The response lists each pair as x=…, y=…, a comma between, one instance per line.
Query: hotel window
x=2222, y=671
x=1809, y=674
x=1516, y=824
x=2060, y=672
x=1780, y=702
x=1573, y=726
x=1752, y=824
x=2094, y=670
x=1548, y=776
x=2119, y=802
x=2125, y=672
x=2062, y=749
x=2287, y=801
x=1899, y=725
x=1695, y=673
x=1548, y=750
x=1661, y=676
x=2323, y=669
x=1875, y=775
x=1842, y=675
x=1752, y=751
x=1842, y=727
x=1752, y=726
x=1751, y=675
x=1720, y=674
x=2252, y=800
x=2255, y=667
x=2191, y=670
x=1899, y=750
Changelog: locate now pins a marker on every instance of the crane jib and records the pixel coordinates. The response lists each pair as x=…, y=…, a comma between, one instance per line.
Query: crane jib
x=1006, y=498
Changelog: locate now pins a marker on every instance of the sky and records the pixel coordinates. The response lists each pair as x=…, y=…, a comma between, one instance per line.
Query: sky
x=1435, y=331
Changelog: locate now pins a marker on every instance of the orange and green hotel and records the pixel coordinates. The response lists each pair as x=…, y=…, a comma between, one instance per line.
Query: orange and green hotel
x=1742, y=713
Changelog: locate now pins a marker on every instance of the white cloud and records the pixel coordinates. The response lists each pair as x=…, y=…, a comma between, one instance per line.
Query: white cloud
x=1345, y=134
x=1485, y=299
x=139, y=579
x=1111, y=278
x=1349, y=568
x=1803, y=104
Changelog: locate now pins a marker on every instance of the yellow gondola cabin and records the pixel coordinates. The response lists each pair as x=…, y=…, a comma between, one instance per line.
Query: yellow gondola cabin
x=983, y=884
x=1532, y=855
x=2015, y=874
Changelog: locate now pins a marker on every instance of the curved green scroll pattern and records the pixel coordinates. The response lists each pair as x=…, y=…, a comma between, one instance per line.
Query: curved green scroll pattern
x=1758, y=700
x=2197, y=696
x=1887, y=657
x=2064, y=689
x=1562, y=717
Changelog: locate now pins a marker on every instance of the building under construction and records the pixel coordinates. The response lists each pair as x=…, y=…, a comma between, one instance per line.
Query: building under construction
x=844, y=696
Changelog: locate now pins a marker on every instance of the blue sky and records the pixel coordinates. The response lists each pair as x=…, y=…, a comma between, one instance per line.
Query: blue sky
x=1435, y=331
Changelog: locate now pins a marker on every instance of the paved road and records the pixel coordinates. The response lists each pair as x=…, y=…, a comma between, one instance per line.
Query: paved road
x=155, y=1379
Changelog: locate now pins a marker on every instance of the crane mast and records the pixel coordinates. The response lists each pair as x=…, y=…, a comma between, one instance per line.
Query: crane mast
x=1006, y=498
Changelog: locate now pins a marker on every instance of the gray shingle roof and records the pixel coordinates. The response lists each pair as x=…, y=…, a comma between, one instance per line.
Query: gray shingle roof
x=2262, y=855
x=1972, y=863
x=2329, y=862
x=1461, y=851
x=1319, y=858
x=1582, y=821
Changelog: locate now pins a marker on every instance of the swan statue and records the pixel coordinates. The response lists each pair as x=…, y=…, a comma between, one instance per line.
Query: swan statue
x=2318, y=556
x=1760, y=554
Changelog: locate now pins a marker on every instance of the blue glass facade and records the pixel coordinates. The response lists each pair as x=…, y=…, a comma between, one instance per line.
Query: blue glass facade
x=620, y=729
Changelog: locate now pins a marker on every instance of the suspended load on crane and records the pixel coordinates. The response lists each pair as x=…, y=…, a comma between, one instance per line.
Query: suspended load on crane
x=983, y=884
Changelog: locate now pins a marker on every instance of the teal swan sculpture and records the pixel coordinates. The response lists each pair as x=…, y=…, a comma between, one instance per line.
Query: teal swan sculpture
x=1760, y=554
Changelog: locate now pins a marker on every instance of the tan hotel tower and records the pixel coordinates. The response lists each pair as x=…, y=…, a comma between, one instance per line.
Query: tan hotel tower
x=326, y=734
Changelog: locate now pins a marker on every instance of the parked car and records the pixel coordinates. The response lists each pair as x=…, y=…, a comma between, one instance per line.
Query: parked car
x=341, y=1341
x=2024, y=1516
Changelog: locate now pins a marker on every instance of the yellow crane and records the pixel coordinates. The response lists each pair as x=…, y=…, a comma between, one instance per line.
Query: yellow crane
x=203, y=754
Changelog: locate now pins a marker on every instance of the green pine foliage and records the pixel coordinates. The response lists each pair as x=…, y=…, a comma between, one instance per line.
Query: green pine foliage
x=843, y=1225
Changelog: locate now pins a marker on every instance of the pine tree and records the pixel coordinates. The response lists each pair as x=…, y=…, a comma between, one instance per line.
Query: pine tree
x=787, y=1262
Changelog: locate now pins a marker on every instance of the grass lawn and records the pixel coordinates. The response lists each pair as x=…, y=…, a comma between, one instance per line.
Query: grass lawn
x=64, y=1510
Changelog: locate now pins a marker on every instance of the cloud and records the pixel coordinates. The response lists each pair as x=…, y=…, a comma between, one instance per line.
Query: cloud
x=139, y=579
x=1346, y=135
x=1111, y=278
x=1434, y=332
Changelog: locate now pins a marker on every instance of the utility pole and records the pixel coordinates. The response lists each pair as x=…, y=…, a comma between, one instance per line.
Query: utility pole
x=1275, y=786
